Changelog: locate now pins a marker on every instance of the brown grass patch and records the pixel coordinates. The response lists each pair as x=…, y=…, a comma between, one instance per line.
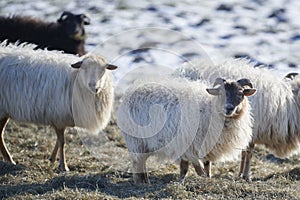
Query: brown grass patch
x=107, y=176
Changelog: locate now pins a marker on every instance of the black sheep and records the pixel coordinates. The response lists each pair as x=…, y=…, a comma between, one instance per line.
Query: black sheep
x=67, y=34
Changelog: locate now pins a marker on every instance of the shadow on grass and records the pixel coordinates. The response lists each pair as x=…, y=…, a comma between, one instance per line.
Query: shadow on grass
x=7, y=168
x=99, y=182
x=293, y=175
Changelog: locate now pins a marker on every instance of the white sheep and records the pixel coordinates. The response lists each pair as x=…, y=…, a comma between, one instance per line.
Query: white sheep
x=41, y=87
x=276, y=106
x=178, y=119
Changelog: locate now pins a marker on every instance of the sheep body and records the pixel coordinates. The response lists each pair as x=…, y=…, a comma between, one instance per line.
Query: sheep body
x=275, y=106
x=31, y=88
x=67, y=34
x=190, y=129
x=41, y=87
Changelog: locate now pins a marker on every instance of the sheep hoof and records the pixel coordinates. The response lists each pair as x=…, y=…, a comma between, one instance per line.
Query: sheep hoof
x=140, y=178
x=242, y=177
x=11, y=161
x=206, y=175
x=246, y=178
x=64, y=168
x=181, y=180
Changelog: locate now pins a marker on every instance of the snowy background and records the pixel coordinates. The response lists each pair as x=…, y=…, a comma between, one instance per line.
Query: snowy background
x=265, y=31
x=149, y=38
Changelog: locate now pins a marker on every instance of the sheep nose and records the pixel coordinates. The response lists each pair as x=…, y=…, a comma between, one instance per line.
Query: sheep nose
x=229, y=108
x=93, y=87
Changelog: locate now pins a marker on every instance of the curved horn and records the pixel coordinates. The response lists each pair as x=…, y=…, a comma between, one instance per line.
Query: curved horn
x=245, y=81
x=62, y=17
x=219, y=81
x=291, y=75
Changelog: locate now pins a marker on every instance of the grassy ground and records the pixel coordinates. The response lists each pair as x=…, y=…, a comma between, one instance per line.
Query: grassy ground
x=104, y=173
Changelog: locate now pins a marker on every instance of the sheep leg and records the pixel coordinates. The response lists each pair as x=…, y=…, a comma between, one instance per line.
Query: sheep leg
x=60, y=143
x=199, y=168
x=242, y=165
x=184, y=167
x=54, y=152
x=248, y=156
x=207, y=168
x=140, y=175
x=3, y=148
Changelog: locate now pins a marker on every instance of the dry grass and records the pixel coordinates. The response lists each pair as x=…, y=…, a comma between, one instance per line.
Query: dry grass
x=106, y=176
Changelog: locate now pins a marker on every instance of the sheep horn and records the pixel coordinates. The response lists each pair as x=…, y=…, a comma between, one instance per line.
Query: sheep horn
x=245, y=81
x=291, y=75
x=219, y=81
x=65, y=13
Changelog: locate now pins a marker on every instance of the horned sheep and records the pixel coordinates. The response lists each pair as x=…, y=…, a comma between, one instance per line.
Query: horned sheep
x=178, y=119
x=53, y=88
x=276, y=106
x=67, y=34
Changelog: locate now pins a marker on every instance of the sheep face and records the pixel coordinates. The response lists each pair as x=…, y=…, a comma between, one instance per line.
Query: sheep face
x=295, y=83
x=294, y=80
x=73, y=25
x=92, y=72
x=231, y=95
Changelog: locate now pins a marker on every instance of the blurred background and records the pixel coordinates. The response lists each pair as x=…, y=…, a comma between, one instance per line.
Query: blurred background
x=264, y=31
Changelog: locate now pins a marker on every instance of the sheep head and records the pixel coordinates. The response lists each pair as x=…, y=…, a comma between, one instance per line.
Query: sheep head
x=91, y=72
x=293, y=79
x=232, y=95
x=74, y=24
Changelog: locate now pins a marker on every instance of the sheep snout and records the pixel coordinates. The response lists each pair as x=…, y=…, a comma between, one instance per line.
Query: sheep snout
x=229, y=109
x=93, y=87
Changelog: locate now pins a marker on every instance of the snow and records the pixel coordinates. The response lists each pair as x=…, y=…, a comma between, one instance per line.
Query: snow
x=262, y=30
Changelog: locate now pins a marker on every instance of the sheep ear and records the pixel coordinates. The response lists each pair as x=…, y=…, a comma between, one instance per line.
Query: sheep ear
x=77, y=65
x=249, y=92
x=291, y=75
x=111, y=67
x=213, y=91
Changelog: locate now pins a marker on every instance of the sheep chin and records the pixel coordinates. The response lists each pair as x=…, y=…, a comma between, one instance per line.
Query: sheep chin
x=225, y=114
x=94, y=91
x=78, y=37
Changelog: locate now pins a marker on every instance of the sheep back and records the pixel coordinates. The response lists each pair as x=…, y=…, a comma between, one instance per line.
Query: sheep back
x=37, y=85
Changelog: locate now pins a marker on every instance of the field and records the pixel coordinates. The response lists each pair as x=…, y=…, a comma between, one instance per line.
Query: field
x=105, y=175
x=155, y=35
